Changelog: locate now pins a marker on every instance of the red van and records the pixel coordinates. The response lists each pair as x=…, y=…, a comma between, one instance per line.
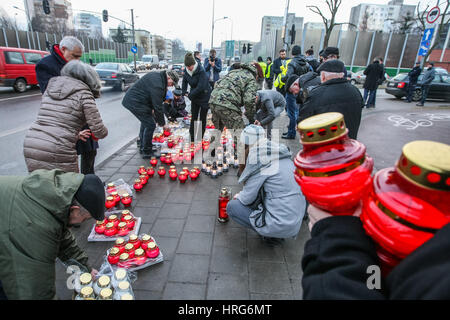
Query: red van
x=17, y=67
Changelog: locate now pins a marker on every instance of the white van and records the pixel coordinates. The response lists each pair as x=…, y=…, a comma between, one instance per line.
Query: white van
x=151, y=61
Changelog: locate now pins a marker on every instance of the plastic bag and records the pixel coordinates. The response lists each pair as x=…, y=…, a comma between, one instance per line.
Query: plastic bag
x=94, y=236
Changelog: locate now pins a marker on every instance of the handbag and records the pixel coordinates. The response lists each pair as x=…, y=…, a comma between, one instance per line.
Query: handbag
x=258, y=204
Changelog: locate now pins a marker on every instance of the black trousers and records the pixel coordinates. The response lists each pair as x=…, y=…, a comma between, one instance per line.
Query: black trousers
x=88, y=161
x=197, y=109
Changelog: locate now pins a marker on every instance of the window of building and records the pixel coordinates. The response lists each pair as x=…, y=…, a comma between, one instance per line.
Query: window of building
x=13, y=57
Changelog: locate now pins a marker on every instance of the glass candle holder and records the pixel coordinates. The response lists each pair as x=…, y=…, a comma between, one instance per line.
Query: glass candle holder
x=225, y=165
x=137, y=185
x=161, y=172
x=120, y=244
x=173, y=174
x=150, y=172
x=198, y=170
x=152, y=250
x=129, y=249
x=224, y=198
x=203, y=166
x=145, y=240
x=153, y=161
x=135, y=241
x=114, y=220
x=124, y=213
x=143, y=179
x=162, y=158
x=183, y=177
x=220, y=169
x=141, y=170
x=168, y=159
x=113, y=256
x=100, y=227
x=110, y=202
x=110, y=230
x=193, y=174
x=123, y=260
x=116, y=197
x=170, y=143
x=122, y=229
x=208, y=168
x=130, y=222
x=110, y=187
x=126, y=200
x=140, y=257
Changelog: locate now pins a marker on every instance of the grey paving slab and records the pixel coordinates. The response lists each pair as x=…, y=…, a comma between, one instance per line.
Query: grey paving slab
x=207, y=206
x=184, y=291
x=260, y=296
x=258, y=250
x=297, y=288
x=113, y=164
x=295, y=271
x=128, y=169
x=180, y=197
x=229, y=261
x=269, y=278
x=174, y=210
x=147, y=214
x=227, y=287
x=168, y=227
x=198, y=223
x=167, y=245
x=153, y=278
x=147, y=295
x=195, y=243
x=125, y=176
x=106, y=172
x=230, y=238
x=190, y=268
x=149, y=202
x=146, y=228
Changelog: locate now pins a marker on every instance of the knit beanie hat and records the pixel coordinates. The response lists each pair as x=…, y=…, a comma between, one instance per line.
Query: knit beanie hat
x=251, y=134
x=91, y=195
x=296, y=50
x=189, y=59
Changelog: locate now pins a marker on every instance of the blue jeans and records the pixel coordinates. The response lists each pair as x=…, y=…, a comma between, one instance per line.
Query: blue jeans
x=371, y=94
x=239, y=213
x=425, y=90
x=292, y=111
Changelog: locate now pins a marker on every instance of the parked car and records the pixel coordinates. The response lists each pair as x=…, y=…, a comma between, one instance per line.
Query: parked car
x=116, y=75
x=359, y=77
x=178, y=68
x=17, y=67
x=139, y=65
x=440, y=87
x=163, y=64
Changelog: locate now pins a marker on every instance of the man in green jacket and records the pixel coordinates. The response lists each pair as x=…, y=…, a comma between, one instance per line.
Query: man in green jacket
x=237, y=89
x=35, y=213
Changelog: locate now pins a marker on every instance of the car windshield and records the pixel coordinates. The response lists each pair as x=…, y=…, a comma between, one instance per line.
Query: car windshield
x=107, y=66
x=400, y=77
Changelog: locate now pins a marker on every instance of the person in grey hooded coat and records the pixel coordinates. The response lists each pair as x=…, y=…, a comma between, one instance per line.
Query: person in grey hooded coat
x=268, y=167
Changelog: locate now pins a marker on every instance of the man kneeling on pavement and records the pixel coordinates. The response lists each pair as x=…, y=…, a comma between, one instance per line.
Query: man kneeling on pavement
x=36, y=213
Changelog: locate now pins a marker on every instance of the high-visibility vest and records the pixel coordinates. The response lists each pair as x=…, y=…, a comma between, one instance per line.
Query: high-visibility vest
x=278, y=83
x=269, y=70
x=263, y=67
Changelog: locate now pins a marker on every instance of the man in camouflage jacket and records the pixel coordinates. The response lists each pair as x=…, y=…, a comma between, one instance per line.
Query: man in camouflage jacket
x=238, y=89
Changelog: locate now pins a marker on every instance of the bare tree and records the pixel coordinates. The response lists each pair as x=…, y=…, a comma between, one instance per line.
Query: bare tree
x=7, y=22
x=363, y=25
x=404, y=24
x=330, y=23
x=160, y=46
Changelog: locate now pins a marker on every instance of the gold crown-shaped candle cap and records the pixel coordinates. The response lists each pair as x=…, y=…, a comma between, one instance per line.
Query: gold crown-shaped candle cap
x=104, y=281
x=124, y=256
x=125, y=212
x=133, y=237
x=112, y=217
x=86, y=292
x=124, y=285
x=121, y=274
x=322, y=127
x=105, y=293
x=426, y=163
x=120, y=241
x=146, y=237
x=224, y=192
x=122, y=225
x=85, y=278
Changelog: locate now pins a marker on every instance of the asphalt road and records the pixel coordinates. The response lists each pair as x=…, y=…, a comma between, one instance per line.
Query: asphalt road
x=18, y=112
x=384, y=130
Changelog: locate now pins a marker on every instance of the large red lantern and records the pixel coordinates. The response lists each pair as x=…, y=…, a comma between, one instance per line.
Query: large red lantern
x=224, y=198
x=333, y=170
x=410, y=202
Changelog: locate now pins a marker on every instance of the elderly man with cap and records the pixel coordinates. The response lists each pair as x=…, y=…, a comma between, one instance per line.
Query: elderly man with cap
x=36, y=213
x=199, y=94
x=176, y=106
x=331, y=53
x=145, y=100
x=271, y=202
x=335, y=94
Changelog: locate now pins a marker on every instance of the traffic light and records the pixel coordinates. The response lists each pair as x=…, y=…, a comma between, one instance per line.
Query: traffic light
x=249, y=47
x=105, y=15
x=46, y=6
x=244, y=49
x=292, y=34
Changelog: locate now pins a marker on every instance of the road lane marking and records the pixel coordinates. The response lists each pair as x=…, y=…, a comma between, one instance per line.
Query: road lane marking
x=13, y=98
x=13, y=131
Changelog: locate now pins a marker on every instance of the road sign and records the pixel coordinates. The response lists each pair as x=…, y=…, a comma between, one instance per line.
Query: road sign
x=433, y=15
x=428, y=34
x=134, y=49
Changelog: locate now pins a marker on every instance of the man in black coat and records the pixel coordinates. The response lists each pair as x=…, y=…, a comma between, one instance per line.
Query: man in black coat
x=413, y=75
x=338, y=256
x=199, y=94
x=335, y=94
x=70, y=48
x=145, y=100
x=374, y=77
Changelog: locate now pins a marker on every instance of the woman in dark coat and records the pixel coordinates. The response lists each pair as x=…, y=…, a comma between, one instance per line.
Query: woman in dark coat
x=374, y=73
x=200, y=91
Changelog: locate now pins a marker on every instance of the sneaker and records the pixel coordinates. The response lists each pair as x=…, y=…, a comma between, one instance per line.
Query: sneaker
x=272, y=241
x=419, y=104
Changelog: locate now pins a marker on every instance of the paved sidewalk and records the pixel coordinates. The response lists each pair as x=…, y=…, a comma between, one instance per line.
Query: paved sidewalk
x=203, y=259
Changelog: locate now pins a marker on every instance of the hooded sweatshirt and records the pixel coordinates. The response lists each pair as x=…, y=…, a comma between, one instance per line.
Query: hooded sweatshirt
x=269, y=166
x=34, y=211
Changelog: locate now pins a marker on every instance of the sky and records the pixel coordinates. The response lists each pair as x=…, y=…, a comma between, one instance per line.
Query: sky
x=191, y=20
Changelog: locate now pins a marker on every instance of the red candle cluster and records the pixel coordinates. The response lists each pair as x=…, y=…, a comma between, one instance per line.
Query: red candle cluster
x=112, y=225
x=133, y=253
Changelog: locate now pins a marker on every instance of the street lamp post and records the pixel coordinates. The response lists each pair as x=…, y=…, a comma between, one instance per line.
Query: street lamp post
x=28, y=17
x=212, y=38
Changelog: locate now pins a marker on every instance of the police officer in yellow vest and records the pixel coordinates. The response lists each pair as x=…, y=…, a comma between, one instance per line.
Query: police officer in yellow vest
x=263, y=66
x=279, y=84
x=269, y=74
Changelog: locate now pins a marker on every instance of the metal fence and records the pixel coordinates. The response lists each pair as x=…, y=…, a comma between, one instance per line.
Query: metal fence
x=357, y=48
x=96, y=50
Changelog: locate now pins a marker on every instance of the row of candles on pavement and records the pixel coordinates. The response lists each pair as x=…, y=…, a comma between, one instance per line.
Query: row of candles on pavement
x=112, y=225
x=403, y=206
x=136, y=251
x=105, y=287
